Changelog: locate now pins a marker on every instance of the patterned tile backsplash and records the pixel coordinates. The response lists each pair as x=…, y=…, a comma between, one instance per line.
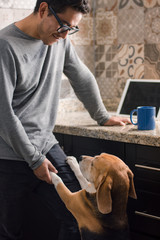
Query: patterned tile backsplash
x=106, y=61
x=106, y=27
x=131, y=26
x=131, y=61
x=130, y=4
x=118, y=39
x=85, y=36
x=152, y=61
x=20, y=4
x=152, y=25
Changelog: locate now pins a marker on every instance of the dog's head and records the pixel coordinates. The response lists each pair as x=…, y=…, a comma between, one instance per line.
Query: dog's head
x=111, y=177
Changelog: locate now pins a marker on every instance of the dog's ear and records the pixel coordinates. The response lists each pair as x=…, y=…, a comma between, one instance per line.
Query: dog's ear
x=103, y=195
x=132, y=192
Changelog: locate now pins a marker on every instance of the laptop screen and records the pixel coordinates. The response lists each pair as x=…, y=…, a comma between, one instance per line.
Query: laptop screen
x=139, y=93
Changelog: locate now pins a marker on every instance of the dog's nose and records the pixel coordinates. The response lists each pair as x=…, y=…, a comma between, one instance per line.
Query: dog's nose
x=80, y=158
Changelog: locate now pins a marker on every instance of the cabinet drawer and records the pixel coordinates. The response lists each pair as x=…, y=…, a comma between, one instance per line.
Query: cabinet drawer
x=148, y=156
x=150, y=173
x=149, y=204
x=144, y=161
x=147, y=178
x=140, y=236
x=144, y=213
x=143, y=223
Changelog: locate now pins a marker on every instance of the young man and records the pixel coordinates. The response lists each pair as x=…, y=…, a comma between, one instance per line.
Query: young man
x=34, y=53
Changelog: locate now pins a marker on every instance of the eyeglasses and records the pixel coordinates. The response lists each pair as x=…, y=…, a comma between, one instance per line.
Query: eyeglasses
x=63, y=28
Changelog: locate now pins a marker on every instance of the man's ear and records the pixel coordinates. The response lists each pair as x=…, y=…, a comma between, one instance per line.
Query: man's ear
x=43, y=7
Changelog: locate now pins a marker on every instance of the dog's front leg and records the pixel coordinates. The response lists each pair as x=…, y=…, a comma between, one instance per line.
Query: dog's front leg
x=72, y=162
x=64, y=193
x=55, y=179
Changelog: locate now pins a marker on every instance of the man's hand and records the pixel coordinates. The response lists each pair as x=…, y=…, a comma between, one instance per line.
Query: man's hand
x=115, y=120
x=42, y=172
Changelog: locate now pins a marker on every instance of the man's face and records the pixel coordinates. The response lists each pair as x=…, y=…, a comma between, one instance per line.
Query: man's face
x=48, y=25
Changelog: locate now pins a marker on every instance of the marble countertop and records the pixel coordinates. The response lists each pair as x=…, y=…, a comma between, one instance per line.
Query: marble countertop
x=81, y=124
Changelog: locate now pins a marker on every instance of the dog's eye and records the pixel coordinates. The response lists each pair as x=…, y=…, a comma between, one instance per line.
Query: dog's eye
x=91, y=164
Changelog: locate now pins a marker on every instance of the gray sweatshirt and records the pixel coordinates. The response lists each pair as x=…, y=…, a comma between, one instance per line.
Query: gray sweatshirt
x=30, y=81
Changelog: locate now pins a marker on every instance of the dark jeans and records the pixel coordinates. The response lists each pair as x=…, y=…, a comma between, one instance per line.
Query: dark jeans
x=17, y=181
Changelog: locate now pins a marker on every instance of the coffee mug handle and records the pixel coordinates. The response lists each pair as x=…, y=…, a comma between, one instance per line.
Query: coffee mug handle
x=131, y=114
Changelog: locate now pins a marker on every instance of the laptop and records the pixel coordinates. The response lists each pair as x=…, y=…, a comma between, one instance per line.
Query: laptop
x=139, y=92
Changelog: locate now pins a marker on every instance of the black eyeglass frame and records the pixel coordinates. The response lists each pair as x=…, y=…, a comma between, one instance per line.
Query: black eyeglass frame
x=74, y=29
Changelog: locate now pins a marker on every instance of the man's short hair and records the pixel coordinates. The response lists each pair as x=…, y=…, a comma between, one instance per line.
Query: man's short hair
x=61, y=5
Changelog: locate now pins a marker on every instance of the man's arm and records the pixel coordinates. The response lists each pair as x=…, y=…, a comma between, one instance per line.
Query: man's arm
x=11, y=128
x=42, y=172
x=86, y=89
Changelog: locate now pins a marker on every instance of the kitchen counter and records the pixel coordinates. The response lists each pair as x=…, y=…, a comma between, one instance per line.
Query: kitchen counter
x=81, y=124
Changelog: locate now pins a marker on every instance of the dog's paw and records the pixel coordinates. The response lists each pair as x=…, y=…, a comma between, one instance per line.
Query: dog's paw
x=90, y=188
x=55, y=178
x=72, y=162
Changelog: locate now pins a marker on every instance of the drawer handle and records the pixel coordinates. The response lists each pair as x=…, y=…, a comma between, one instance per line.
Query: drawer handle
x=147, y=215
x=146, y=167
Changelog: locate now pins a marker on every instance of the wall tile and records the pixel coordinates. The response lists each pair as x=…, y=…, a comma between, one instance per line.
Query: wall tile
x=152, y=25
x=126, y=4
x=131, y=61
x=131, y=26
x=152, y=61
x=85, y=35
x=6, y=3
x=70, y=104
x=109, y=5
x=106, y=61
x=19, y=14
x=151, y=3
x=108, y=87
x=86, y=54
x=6, y=17
x=106, y=27
x=29, y=4
x=100, y=69
x=121, y=84
x=91, y=4
x=111, y=90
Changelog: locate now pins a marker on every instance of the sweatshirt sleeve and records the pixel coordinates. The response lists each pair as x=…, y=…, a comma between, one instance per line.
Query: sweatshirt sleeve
x=84, y=85
x=11, y=129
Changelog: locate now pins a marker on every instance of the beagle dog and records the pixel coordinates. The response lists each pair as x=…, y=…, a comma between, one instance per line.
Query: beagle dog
x=100, y=207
